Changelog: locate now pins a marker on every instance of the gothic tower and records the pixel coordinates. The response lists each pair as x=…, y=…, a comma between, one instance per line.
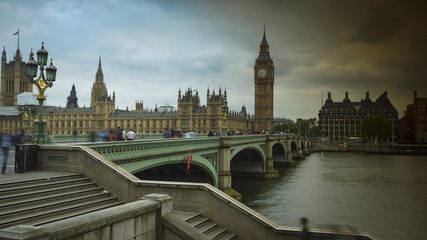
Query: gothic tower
x=264, y=83
x=99, y=95
x=72, y=99
x=14, y=79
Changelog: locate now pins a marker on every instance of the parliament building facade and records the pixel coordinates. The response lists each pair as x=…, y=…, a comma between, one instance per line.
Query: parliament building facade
x=102, y=114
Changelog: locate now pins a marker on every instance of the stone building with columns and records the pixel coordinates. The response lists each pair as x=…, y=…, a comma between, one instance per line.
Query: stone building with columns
x=14, y=79
x=415, y=127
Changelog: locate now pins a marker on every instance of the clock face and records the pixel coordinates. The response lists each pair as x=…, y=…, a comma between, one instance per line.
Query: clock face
x=262, y=72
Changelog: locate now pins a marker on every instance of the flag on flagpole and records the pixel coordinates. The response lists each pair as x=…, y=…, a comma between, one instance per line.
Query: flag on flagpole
x=16, y=33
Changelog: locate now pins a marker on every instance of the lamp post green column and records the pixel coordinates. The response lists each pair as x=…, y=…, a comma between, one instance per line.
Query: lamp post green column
x=224, y=130
x=26, y=113
x=41, y=83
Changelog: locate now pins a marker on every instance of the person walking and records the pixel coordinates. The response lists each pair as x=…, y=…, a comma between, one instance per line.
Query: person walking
x=304, y=230
x=119, y=134
x=6, y=143
x=166, y=133
x=131, y=135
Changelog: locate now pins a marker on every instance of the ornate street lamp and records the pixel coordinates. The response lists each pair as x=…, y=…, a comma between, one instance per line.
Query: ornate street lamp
x=25, y=110
x=224, y=131
x=41, y=83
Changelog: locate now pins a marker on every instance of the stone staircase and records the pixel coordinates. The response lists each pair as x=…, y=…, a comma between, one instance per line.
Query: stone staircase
x=40, y=201
x=206, y=226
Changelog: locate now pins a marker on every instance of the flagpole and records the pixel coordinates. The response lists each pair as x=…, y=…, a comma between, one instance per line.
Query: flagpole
x=18, y=38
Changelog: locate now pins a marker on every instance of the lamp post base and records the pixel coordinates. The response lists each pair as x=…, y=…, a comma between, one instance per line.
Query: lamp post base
x=40, y=133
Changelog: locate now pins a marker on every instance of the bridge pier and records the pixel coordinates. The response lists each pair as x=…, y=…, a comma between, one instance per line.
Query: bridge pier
x=270, y=172
x=224, y=175
x=306, y=151
x=300, y=150
x=289, y=153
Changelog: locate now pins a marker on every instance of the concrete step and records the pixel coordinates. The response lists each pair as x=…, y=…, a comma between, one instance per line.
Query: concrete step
x=66, y=193
x=205, y=225
x=54, y=213
x=198, y=221
x=226, y=236
x=39, y=185
x=44, y=179
x=45, y=200
x=215, y=232
x=6, y=198
x=50, y=203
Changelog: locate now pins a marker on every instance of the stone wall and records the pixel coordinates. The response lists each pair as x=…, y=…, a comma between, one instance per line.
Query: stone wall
x=136, y=220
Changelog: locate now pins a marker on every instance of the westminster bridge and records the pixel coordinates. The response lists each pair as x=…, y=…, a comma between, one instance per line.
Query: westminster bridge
x=206, y=159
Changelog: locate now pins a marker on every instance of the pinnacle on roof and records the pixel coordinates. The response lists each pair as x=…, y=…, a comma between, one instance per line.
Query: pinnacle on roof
x=264, y=40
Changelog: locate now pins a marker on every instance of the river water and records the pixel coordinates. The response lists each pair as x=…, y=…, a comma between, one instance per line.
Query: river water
x=384, y=195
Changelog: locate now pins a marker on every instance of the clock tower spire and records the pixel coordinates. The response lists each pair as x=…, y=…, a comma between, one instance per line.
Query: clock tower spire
x=264, y=87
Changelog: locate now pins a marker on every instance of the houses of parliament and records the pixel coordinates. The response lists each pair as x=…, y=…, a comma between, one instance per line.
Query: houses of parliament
x=102, y=113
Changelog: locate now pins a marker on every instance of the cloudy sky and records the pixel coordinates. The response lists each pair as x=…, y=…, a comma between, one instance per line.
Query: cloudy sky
x=150, y=49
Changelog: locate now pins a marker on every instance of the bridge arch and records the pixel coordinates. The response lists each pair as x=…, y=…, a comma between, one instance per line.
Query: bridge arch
x=279, y=152
x=247, y=160
x=201, y=169
x=294, y=149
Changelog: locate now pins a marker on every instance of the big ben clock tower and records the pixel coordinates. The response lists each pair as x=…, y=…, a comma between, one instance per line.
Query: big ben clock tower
x=264, y=83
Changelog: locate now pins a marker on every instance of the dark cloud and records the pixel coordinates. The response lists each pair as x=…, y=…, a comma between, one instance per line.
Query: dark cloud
x=317, y=46
x=379, y=26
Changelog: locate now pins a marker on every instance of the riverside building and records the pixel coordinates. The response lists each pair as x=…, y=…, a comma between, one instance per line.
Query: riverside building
x=342, y=120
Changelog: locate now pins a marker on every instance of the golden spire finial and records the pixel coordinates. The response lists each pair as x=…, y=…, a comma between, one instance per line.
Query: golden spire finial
x=51, y=61
x=42, y=44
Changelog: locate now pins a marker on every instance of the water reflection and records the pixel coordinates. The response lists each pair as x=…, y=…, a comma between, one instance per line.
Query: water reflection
x=385, y=195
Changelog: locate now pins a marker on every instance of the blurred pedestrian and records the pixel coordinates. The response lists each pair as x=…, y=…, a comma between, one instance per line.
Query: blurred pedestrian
x=166, y=133
x=6, y=143
x=119, y=134
x=75, y=134
x=304, y=230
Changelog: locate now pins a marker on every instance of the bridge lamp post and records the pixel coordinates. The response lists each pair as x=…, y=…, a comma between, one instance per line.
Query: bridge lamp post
x=139, y=124
x=224, y=131
x=195, y=127
x=41, y=83
x=26, y=110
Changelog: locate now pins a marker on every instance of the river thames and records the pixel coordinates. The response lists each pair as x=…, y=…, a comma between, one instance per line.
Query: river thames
x=384, y=195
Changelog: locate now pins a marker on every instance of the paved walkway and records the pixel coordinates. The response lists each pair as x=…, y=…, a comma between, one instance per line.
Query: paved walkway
x=11, y=176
